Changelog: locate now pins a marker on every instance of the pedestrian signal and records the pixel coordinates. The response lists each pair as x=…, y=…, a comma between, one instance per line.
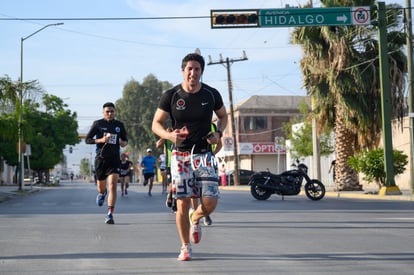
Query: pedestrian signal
x=234, y=18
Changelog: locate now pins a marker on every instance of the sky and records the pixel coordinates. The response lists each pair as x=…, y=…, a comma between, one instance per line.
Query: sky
x=88, y=62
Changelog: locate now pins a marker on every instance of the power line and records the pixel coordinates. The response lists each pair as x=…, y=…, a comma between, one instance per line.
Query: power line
x=307, y=12
x=106, y=18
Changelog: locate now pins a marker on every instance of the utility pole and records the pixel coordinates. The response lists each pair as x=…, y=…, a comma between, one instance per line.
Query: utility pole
x=409, y=30
x=316, y=156
x=316, y=150
x=20, y=109
x=227, y=63
x=390, y=187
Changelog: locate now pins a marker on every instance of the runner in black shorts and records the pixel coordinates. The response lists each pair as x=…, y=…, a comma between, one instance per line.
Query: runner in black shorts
x=108, y=134
x=190, y=107
x=125, y=174
x=148, y=163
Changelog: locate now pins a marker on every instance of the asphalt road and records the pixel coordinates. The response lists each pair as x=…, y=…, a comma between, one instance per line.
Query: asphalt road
x=60, y=230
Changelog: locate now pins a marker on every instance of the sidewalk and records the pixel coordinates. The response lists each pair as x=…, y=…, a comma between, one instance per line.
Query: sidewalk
x=8, y=192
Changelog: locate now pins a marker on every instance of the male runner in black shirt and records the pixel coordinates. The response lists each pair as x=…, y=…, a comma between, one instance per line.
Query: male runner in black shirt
x=108, y=134
x=190, y=106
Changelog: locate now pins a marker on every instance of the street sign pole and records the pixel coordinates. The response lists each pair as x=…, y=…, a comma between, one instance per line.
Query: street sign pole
x=295, y=17
x=390, y=187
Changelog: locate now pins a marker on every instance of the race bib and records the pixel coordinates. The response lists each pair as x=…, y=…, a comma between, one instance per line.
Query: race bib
x=112, y=138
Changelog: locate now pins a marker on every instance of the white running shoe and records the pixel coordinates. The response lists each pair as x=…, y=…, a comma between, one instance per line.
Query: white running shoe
x=185, y=253
x=195, y=229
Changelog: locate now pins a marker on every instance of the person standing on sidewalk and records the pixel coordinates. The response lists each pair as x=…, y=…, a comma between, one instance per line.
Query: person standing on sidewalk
x=332, y=168
x=223, y=176
x=191, y=105
x=148, y=164
x=108, y=134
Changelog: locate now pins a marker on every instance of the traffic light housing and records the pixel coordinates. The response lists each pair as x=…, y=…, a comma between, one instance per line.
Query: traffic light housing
x=234, y=18
x=70, y=149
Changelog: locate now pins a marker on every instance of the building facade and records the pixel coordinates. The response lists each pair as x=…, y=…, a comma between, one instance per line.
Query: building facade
x=261, y=142
x=258, y=132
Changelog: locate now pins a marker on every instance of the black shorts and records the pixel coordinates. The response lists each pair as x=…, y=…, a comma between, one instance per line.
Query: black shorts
x=125, y=175
x=147, y=176
x=106, y=167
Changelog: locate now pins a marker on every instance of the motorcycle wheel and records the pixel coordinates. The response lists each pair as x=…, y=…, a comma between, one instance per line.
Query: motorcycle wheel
x=259, y=193
x=315, y=190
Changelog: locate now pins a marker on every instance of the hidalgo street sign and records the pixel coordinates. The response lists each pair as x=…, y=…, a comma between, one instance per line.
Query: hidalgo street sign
x=290, y=17
x=315, y=17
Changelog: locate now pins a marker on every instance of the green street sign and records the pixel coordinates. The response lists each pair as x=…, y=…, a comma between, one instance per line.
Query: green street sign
x=291, y=17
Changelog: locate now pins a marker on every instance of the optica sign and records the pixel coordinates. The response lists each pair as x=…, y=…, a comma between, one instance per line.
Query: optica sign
x=247, y=148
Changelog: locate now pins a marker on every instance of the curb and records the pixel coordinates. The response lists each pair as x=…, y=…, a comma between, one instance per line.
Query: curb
x=402, y=197
x=6, y=195
x=344, y=194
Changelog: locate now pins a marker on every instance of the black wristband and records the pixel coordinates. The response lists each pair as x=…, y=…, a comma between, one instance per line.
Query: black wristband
x=220, y=133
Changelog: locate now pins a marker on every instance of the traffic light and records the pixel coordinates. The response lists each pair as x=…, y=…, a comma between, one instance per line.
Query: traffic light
x=70, y=149
x=234, y=18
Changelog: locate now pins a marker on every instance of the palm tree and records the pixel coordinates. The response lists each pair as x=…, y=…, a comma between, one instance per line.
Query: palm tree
x=8, y=94
x=341, y=72
x=9, y=104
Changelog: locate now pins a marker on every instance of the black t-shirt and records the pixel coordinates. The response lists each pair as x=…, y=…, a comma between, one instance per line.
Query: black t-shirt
x=100, y=128
x=125, y=167
x=195, y=111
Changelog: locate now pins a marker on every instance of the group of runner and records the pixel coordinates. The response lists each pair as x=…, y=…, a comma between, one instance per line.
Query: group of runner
x=194, y=192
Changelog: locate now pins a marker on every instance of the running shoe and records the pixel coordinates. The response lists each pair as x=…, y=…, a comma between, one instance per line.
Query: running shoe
x=185, y=253
x=126, y=192
x=109, y=219
x=195, y=229
x=207, y=220
x=168, y=202
x=100, y=199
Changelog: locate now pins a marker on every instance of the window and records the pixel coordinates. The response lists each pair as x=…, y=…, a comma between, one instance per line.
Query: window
x=255, y=123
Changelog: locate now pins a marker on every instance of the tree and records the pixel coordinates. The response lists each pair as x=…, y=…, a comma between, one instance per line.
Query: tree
x=8, y=94
x=301, y=141
x=371, y=164
x=9, y=104
x=85, y=167
x=48, y=132
x=8, y=138
x=136, y=109
x=341, y=72
x=46, y=135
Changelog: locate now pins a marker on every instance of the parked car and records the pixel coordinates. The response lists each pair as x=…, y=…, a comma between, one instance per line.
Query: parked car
x=244, y=176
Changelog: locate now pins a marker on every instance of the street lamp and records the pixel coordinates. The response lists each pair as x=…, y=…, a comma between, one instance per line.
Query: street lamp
x=20, y=126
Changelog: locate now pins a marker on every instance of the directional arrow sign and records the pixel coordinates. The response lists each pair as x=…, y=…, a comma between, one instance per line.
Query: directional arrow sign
x=314, y=17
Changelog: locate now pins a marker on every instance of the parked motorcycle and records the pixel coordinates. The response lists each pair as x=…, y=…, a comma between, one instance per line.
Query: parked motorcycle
x=288, y=183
